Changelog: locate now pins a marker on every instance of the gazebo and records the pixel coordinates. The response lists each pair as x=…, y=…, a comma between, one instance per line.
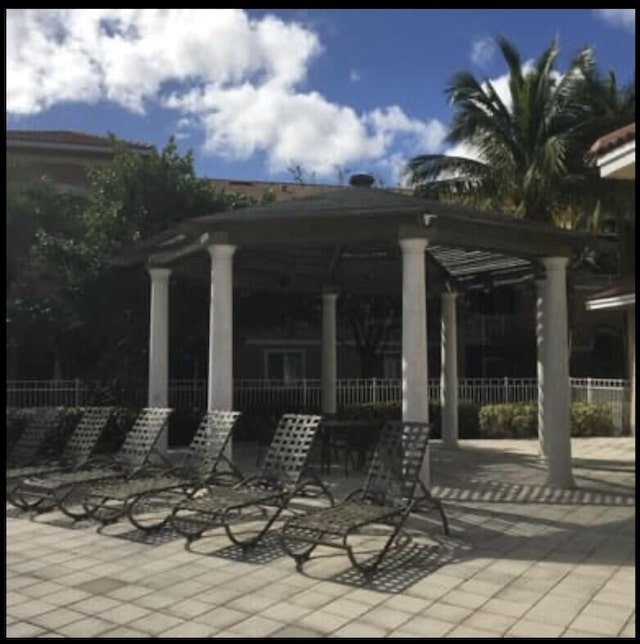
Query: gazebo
x=378, y=241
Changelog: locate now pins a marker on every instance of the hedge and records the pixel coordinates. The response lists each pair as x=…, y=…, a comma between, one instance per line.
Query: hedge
x=520, y=420
x=513, y=420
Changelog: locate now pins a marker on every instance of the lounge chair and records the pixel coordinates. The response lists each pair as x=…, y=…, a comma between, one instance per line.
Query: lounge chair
x=391, y=492
x=75, y=455
x=267, y=493
x=108, y=502
x=29, y=448
x=62, y=490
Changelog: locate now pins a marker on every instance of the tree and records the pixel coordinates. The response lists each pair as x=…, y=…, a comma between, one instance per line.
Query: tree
x=372, y=319
x=532, y=146
x=66, y=302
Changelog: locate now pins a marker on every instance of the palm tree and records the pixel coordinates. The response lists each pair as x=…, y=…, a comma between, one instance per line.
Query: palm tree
x=531, y=146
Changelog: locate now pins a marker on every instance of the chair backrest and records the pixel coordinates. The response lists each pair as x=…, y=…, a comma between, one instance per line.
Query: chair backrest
x=86, y=435
x=289, y=449
x=142, y=437
x=210, y=440
x=38, y=428
x=396, y=463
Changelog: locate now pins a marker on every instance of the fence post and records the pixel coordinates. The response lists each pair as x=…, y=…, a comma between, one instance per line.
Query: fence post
x=77, y=381
x=374, y=391
x=304, y=394
x=506, y=389
x=589, y=391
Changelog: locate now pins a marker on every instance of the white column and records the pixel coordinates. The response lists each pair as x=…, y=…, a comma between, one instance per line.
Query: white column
x=415, y=393
x=631, y=349
x=158, y=395
x=449, y=371
x=329, y=363
x=554, y=391
x=540, y=348
x=220, y=383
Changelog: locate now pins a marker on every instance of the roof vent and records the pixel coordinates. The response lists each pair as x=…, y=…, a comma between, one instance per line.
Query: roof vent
x=361, y=180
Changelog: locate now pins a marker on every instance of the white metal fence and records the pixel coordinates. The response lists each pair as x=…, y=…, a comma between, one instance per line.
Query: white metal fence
x=303, y=395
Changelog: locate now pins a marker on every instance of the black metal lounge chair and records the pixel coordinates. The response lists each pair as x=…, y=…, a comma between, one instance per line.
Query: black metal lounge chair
x=141, y=496
x=64, y=490
x=265, y=495
x=391, y=492
x=75, y=455
x=28, y=449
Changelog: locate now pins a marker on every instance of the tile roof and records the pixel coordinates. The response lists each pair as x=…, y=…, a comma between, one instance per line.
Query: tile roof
x=614, y=139
x=65, y=137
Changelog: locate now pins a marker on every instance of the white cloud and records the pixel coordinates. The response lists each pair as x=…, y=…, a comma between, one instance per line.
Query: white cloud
x=219, y=69
x=482, y=51
x=354, y=76
x=619, y=17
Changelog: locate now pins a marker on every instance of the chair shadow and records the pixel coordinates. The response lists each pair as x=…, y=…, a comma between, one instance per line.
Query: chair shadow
x=158, y=537
x=402, y=567
x=265, y=551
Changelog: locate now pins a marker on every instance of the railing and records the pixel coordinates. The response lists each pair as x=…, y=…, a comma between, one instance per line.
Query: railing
x=304, y=395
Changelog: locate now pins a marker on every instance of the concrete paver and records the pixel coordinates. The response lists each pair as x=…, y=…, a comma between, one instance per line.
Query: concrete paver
x=522, y=561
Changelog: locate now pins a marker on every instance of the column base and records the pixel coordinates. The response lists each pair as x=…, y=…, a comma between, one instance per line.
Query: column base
x=563, y=482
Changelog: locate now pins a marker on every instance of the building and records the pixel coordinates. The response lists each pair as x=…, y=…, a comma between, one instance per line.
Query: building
x=61, y=157
x=290, y=348
x=615, y=155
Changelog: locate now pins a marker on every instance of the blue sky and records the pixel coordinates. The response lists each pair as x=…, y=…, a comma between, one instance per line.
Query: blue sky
x=255, y=92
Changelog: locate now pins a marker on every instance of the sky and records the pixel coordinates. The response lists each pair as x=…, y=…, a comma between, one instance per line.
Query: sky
x=257, y=93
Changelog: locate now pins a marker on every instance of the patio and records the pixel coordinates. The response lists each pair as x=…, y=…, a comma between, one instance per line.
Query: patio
x=523, y=560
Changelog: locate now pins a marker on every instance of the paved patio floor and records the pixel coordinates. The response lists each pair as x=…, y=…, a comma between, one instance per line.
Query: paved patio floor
x=522, y=560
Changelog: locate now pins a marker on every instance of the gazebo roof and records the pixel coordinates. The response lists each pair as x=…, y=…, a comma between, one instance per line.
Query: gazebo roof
x=327, y=235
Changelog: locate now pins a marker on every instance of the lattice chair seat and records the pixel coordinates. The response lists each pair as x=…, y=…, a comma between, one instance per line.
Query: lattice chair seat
x=392, y=490
x=28, y=448
x=341, y=519
x=108, y=502
x=78, y=450
x=279, y=480
x=58, y=489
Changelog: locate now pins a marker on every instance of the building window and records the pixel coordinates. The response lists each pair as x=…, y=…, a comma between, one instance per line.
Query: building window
x=284, y=365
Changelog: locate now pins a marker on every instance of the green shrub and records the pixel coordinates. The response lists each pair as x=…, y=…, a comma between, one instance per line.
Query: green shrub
x=512, y=420
x=588, y=419
x=113, y=437
x=16, y=421
x=520, y=420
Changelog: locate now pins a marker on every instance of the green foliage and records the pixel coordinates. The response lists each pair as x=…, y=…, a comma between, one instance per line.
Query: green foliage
x=121, y=422
x=533, y=146
x=588, y=419
x=65, y=301
x=512, y=420
x=138, y=195
x=520, y=420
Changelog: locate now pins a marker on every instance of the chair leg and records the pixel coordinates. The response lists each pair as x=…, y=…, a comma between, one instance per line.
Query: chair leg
x=251, y=541
x=369, y=568
x=101, y=512
x=64, y=505
x=437, y=505
x=138, y=505
x=299, y=554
